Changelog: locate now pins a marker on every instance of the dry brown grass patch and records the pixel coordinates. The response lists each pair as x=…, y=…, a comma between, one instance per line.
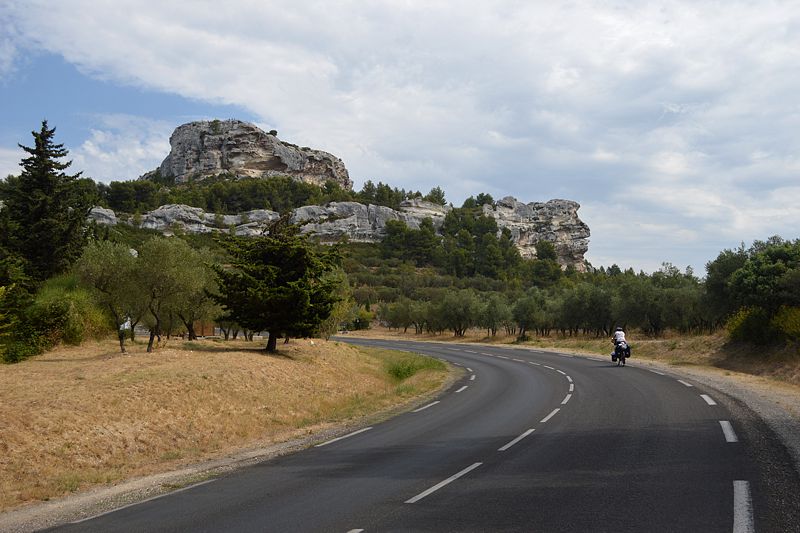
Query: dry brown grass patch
x=81, y=416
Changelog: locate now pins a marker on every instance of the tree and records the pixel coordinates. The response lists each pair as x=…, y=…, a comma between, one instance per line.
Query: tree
x=436, y=196
x=277, y=283
x=166, y=273
x=196, y=302
x=343, y=311
x=111, y=270
x=46, y=209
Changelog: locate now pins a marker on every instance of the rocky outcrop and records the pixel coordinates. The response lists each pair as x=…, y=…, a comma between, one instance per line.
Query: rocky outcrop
x=209, y=148
x=555, y=221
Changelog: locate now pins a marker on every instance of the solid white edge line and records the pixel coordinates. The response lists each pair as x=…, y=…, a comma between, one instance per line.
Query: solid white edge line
x=425, y=407
x=727, y=429
x=206, y=482
x=708, y=399
x=684, y=383
x=447, y=481
x=569, y=379
x=572, y=387
x=551, y=415
x=566, y=399
x=472, y=377
x=362, y=430
x=742, y=508
x=462, y=388
x=513, y=442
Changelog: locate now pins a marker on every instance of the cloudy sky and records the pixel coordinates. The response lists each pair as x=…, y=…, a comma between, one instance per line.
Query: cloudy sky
x=675, y=125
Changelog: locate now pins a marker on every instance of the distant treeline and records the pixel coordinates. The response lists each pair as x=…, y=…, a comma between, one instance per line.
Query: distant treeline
x=227, y=194
x=753, y=292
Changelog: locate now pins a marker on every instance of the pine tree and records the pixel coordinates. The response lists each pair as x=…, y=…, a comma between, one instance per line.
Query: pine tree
x=46, y=209
x=277, y=283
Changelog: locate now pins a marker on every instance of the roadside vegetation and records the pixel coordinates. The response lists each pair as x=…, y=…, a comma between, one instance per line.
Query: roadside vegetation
x=82, y=416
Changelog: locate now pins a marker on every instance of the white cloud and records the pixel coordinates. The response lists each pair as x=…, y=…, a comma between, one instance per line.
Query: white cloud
x=683, y=107
x=122, y=147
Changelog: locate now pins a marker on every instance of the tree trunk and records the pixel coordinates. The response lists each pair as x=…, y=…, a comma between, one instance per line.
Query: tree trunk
x=152, y=338
x=272, y=342
x=189, y=328
x=286, y=340
x=121, y=333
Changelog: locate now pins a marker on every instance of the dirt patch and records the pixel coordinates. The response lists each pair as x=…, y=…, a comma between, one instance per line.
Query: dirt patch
x=79, y=417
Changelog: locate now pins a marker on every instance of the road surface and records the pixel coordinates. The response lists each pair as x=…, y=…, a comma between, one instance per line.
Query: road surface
x=524, y=441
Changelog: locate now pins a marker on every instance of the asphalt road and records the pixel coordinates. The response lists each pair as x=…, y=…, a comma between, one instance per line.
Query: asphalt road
x=524, y=441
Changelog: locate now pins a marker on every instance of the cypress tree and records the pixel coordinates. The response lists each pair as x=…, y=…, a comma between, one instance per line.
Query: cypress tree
x=45, y=209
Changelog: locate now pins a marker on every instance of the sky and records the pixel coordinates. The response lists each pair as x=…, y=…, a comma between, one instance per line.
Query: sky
x=674, y=124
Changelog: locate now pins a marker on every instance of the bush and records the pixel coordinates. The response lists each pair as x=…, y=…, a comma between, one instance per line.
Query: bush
x=787, y=322
x=750, y=324
x=60, y=312
x=404, y=366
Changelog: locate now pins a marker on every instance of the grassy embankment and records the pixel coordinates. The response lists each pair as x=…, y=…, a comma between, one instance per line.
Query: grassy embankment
x=78, y=417
x=781, y=363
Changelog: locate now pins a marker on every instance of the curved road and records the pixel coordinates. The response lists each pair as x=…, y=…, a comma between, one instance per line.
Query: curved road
x=525, y=441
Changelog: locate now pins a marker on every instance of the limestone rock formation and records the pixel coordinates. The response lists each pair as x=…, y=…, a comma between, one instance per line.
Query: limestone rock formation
x=209, y=148
x=555, y=221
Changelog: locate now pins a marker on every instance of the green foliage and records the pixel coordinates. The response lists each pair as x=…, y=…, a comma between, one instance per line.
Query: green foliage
x=787, y=322
x=383, y=194
x=61, y=311
x=44, y=218
x=750, y=324
x=436, y=196
x=402, y=366
x=276, y=283
x=221, y=194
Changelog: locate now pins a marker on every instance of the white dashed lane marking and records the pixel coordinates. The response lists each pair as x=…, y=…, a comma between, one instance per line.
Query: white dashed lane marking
x=472, y=377
x=684, y=383
x=742, y=508
x=566, y=399
x=708, y=399
x=463, y=388
x=551, y=415
x=513, y=442
x=425, y=407
x=343, y=437
x=447, y=481
x=727, y=430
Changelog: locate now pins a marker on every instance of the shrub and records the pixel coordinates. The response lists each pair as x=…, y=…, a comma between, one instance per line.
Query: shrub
x=60, y=312
x=403, y=366
x=750, y=324
x=787, y=322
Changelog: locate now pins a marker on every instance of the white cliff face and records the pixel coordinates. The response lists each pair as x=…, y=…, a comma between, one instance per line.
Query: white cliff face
x=208, y=148
x=555, y=221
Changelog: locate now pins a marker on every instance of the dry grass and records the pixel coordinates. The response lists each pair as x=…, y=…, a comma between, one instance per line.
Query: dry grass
x=82, y=416
x=777, y=363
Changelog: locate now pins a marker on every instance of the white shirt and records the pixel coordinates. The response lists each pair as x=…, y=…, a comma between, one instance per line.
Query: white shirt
x=619, y=336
